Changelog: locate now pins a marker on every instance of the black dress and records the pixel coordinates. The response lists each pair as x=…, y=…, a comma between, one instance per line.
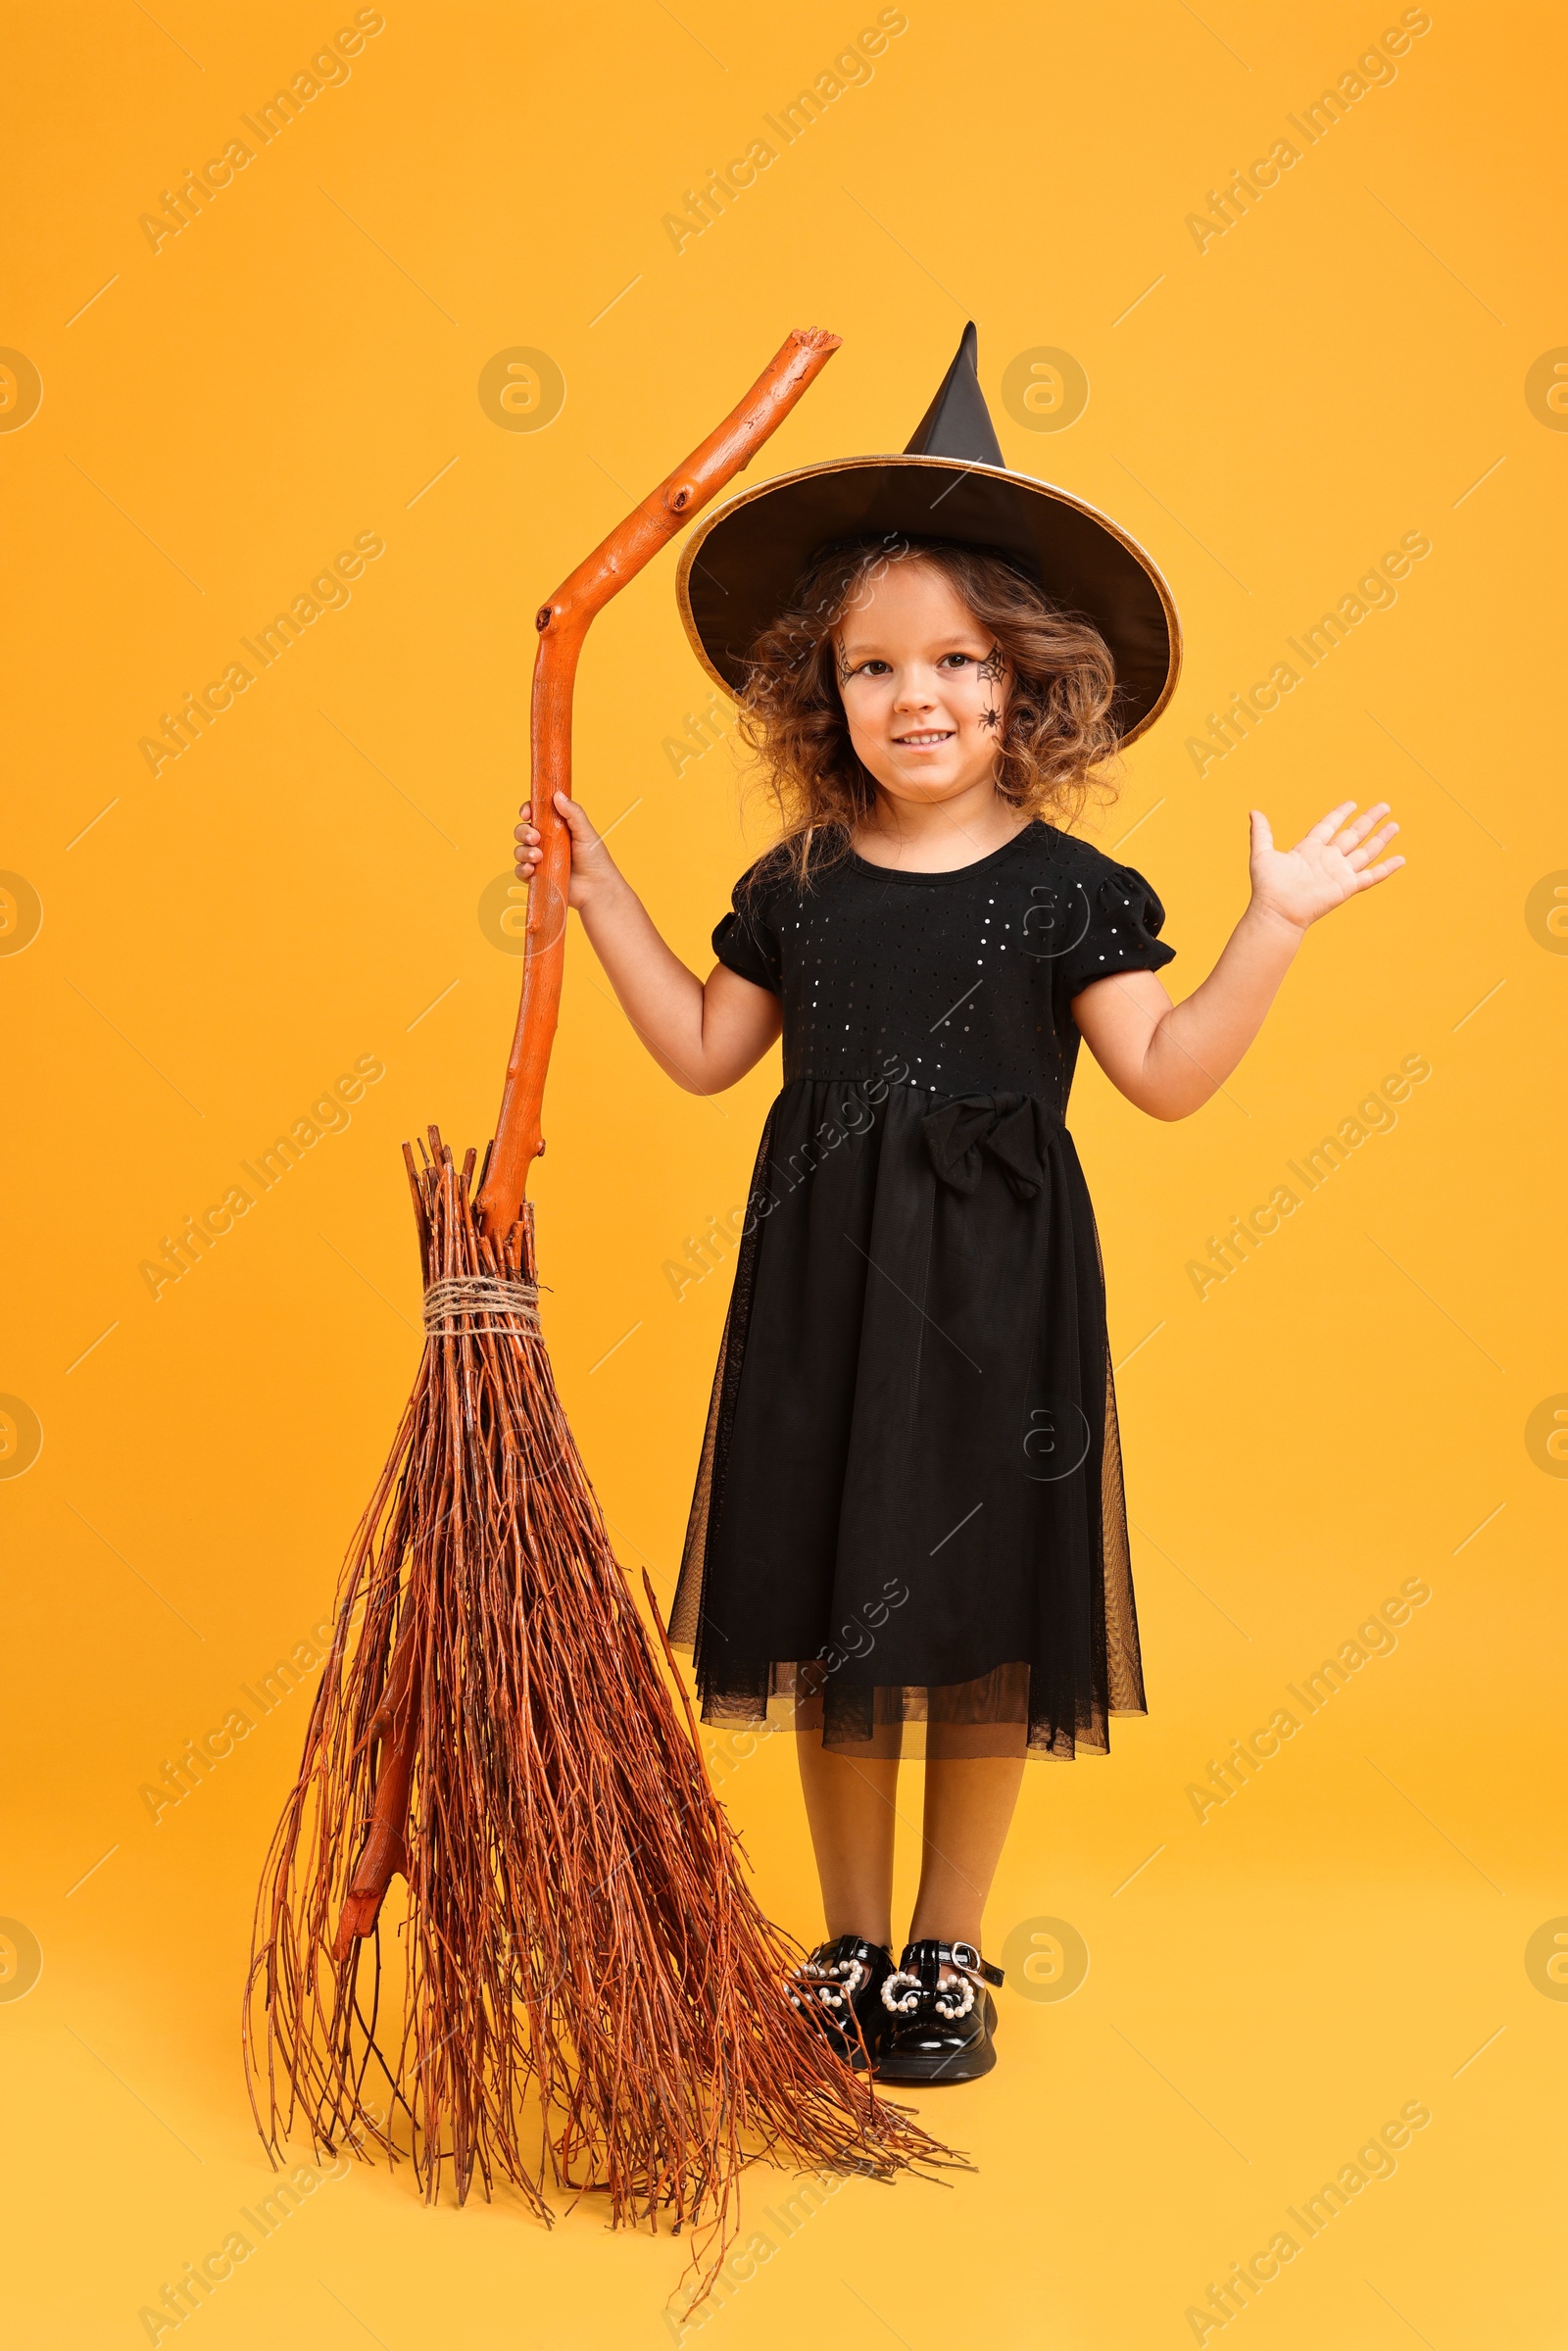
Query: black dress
x=909, y=1507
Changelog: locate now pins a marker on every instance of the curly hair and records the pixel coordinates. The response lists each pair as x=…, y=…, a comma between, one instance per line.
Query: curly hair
x=1060, y=726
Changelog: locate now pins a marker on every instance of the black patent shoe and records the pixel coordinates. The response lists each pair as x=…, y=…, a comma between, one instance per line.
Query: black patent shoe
x=840, y=1986
x=936, y=2032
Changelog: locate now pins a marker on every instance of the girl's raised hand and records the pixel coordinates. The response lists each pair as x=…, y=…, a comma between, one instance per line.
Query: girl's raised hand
x=593, y=869
x=1329, y=864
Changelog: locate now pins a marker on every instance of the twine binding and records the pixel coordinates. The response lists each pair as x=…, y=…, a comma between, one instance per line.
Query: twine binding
x=485, y=1301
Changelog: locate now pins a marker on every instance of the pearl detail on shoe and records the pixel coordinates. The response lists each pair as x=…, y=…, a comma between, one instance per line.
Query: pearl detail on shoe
x=820, y=1979
x=950, y=2000
x=900, y=2004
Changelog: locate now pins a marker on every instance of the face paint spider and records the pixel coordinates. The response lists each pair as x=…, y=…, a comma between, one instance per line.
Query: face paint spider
x=990, y=718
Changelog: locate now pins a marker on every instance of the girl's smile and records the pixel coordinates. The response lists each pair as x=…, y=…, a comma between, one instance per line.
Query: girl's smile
x=924, y=688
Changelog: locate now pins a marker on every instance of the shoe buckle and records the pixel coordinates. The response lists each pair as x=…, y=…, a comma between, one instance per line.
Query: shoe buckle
x=965, y=1955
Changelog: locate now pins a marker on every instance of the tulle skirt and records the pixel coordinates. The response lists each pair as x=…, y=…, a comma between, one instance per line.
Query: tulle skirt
x=909, y=1532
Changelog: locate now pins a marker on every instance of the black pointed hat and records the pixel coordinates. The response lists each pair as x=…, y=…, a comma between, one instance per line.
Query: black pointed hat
x=739, y=569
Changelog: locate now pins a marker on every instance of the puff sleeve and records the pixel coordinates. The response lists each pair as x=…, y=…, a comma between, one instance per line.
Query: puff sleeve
x=1121, y=921
x=744, y=941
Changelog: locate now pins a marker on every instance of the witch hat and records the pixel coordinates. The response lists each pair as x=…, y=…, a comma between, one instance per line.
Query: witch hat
x=739, y=569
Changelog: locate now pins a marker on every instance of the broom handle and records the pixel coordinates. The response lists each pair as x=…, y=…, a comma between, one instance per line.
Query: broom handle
x=563, y=623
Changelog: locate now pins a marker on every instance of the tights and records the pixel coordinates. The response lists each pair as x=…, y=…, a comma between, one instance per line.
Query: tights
x=851, y=1807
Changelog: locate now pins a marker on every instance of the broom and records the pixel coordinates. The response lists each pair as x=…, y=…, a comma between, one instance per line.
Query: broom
x=583, y=1986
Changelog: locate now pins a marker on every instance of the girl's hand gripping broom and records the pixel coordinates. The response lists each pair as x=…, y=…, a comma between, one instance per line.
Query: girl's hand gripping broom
x=494, y=1726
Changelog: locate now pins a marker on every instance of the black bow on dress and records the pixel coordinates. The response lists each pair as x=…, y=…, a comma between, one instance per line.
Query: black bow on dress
x=1013, y=1127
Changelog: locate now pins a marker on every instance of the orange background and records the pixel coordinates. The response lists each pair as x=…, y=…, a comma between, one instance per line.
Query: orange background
x=1370, y=1399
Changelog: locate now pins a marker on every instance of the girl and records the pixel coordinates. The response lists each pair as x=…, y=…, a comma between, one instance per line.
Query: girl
x=908, y=1511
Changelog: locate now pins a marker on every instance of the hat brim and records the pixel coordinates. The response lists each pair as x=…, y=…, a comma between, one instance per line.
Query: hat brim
x=739, y=569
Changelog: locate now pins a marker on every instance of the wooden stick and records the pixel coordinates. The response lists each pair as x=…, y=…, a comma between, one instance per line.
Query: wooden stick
x=563, y=623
